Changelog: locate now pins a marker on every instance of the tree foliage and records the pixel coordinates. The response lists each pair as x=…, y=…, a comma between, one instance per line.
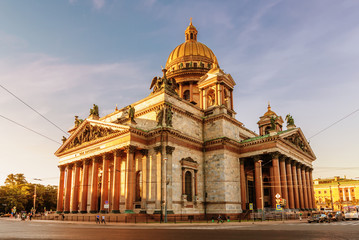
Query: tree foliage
x=17, y=192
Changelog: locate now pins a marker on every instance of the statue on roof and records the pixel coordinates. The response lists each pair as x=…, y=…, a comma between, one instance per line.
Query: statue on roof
x=169, y=115
x=78, y=121
x=94, y=111
x=290, y=120
x=63, y=139
x=272, y=122
x=160, y=83
x=131, y=113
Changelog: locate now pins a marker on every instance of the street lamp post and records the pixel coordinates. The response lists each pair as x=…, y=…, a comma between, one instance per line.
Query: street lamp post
x=36, y=179
x=165, y=189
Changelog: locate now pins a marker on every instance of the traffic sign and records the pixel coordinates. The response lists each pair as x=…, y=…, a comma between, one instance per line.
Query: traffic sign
x=277, y=195
x=278, y=207
x=250, y=206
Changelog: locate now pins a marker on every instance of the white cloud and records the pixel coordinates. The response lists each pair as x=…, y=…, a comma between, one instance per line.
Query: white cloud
x=98, y=4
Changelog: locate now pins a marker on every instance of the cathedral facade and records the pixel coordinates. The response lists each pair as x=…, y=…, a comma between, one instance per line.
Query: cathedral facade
x=181, y=150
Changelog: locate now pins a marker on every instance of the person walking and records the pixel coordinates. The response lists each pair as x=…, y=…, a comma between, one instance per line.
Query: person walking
x=219, y=219
x=103, y=220
x=98, y=219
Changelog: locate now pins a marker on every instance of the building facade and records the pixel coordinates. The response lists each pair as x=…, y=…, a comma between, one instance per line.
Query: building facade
x=336, y=193
x=182, y=149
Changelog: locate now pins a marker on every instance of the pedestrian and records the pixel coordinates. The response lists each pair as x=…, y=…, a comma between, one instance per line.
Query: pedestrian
x=329, y=217
x=98, y=219
x=63, y=217
x=30, y=216
x=219, y=219
x=300, y=216
x=213, y=219
x=228, y=219
x=103, y=220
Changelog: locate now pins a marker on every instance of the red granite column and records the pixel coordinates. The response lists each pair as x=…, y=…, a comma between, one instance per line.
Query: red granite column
x=130, y=177
x=258, y=182
x=85, y=187
x=300, y=187
x=309, y=190
x=276, y=174
x=290, y=201
x=312, y=188
x=116, y=182
x=60, y=195
x=283, y=179
x=272, y=194
x=243, y=185
x=94, y=186
x=76, y=189
x=68, y=188
x=305, y=188
x=104, y=185
x=295, y=184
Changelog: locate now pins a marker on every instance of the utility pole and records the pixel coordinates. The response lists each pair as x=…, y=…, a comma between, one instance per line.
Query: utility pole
x=331, y=197
x=36, y=179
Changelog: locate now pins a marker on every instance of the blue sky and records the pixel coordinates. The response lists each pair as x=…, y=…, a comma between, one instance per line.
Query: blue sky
x=62, y=56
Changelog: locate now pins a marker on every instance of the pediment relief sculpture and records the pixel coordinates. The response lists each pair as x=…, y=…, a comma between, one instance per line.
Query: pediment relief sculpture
x=298, y=141
x=90, y=133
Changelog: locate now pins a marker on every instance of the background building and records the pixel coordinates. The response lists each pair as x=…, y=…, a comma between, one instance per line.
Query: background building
x=182, y=149
x=335, y=193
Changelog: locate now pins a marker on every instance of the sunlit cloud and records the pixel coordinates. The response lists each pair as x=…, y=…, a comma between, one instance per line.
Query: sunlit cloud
x=98, y=4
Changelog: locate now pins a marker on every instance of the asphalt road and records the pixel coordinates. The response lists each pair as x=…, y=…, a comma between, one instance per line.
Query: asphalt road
x=13, y=229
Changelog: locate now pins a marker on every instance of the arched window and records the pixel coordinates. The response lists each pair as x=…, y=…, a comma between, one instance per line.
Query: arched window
x=186, y=95
x=138, y=186
x=266, y=131
x=188, y=186
x=191, y=35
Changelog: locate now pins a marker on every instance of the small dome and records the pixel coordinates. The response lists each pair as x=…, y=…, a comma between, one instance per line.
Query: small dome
x=191, y=51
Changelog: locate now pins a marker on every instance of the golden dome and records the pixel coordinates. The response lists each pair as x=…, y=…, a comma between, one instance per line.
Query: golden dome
x=191, y=51
x=269, y=111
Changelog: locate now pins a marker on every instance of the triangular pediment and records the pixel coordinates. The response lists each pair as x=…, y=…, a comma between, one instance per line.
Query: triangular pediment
x=216, y=75
x=296, y=137
x=88, y=132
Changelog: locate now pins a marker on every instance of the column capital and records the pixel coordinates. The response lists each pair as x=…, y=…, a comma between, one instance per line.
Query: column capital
x=70, y=166
x=130, y=149
x=62, y=167
x=282, y=158
x=169, y=149
x=144, y=152
x=118, y=153
x=242, y=160
x=257, y=158
x=275, y=155
x=87, y=161
x=158, y=149
x=107, y=156
x=78, y=164
x=97, y=159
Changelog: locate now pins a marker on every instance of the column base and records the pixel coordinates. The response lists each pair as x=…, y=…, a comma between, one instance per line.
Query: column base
x=157, y=212
x=66, y=212
x=83, y=211
x=143, y=211
x=170, y=212
x=74, y=211
x=103, y=211
x=115, y=211
x=58, y=212
x=93, y=211
x=129, y=211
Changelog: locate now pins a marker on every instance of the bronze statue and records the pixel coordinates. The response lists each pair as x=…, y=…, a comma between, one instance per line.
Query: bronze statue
x=159, y=83
x=272, y=122
x=169, y=115
x=63, y=139
x=94, y=111
x=159, y=116
x=289, y=119
x=78, y=121
x=131, y=113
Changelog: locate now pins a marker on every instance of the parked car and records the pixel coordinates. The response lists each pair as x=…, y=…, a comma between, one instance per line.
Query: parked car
x=318, y=217
x=338, y=216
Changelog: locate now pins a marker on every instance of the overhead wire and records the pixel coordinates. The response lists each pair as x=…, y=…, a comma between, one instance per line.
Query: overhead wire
x=29, y=129
x=334, y=123
x=33, y=109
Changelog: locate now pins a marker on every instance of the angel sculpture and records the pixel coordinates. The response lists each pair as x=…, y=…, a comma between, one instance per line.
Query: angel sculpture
x=289, y=119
